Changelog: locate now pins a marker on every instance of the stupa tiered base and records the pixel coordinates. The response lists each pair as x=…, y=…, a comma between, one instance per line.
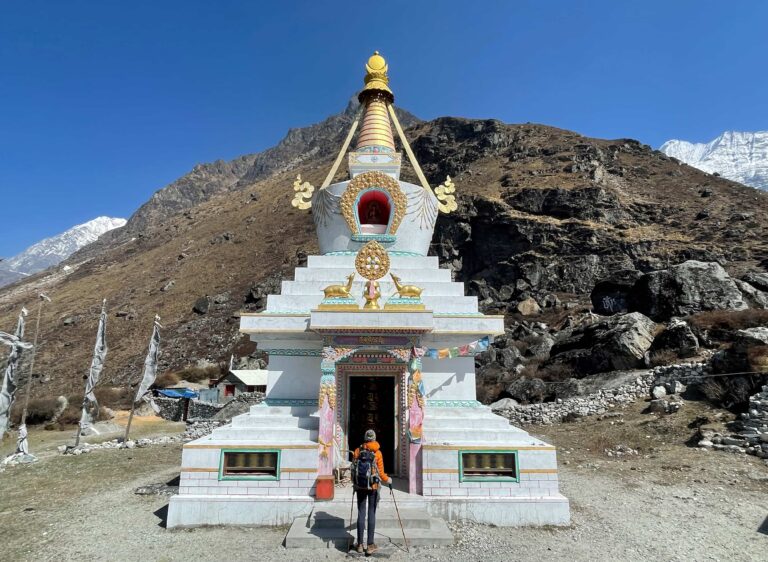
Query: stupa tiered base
x=370, y=335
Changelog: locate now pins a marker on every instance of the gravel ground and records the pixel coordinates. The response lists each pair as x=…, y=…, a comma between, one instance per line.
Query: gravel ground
x=674, y=503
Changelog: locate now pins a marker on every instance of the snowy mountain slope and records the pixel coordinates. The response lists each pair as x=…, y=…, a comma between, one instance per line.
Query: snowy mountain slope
x=53, y=250
x=738, y=156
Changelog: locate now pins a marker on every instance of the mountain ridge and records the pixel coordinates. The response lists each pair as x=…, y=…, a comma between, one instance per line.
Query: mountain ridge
x=541, y=211
x=53, y=250
x=738, y=156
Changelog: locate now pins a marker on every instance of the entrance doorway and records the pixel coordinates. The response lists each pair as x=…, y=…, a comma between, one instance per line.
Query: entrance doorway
x=372, y=406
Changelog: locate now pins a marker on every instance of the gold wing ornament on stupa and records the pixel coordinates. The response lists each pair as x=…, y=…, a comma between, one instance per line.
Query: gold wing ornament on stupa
x=445, y=193
x=303, y=198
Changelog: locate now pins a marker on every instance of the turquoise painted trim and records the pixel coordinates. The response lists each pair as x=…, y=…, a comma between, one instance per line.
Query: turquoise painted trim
x=222, y=476
x=454, y=404
x=404, y=300
x=386, y=238
x=462, y=478
x=295, y=352
x=339, y=300
x=391, y=253
x=289, y=402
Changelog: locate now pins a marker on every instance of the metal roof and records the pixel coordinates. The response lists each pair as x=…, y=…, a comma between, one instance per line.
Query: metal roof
x=249, y=377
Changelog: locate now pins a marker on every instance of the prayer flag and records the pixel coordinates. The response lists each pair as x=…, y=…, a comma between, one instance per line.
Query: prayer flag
x=150, y=363
x=90, y=405
x=8, y=390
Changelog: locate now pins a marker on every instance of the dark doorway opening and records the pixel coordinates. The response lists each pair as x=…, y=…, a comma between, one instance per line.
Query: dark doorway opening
x=372, y=406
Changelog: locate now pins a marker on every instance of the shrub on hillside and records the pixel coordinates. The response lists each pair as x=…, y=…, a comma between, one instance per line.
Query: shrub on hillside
x=164, y=380
x=40, y=410
x=729, y=320
x=663, y=357
x=199, y=374
x=115, y=397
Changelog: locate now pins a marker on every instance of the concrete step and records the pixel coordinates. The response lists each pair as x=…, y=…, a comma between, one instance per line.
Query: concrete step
x=304, y=303
x=441, y=424
x=397, y=262
x=302, y=536
x=281, y=421
x=339, y=519
x=272, y=434
x=436, y=436
x=339, y=274
x=433, y=288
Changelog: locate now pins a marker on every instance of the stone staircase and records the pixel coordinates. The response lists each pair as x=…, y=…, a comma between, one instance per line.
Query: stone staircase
x=329, y=526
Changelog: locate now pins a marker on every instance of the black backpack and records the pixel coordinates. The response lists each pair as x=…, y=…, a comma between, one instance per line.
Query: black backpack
x=364, y=470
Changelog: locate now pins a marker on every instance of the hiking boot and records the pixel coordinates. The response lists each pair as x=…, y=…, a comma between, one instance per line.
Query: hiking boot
x=371, y=549
x=359, y=548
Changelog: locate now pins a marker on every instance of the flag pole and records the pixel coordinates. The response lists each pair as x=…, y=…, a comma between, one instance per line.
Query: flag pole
x=97, y=365
x=43, y=298
x=148, y=376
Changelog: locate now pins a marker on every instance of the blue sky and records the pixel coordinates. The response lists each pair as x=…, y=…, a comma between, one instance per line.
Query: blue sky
x=104, y=102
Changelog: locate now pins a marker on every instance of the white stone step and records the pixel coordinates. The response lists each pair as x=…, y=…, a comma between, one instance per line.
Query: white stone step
x=467, y=435
x=432, y=288
x=440, y=424
x=396, y=262
x=339, y=275
x=265, y=422
x=304, y=303
x=271, y=434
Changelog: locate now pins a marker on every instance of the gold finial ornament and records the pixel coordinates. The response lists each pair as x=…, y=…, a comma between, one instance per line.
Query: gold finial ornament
x=376, y=79
x=445, y=196
x=303, y=198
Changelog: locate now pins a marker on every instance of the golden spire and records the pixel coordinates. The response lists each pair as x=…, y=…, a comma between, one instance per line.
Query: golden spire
x=376, y=79
x=376, y=95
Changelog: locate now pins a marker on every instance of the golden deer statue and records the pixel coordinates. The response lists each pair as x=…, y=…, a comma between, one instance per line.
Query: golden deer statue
x=341, y=291
x=406, y=291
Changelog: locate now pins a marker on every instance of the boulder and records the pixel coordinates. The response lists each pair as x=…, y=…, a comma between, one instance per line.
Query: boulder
x=757, y=280
x=658, y=392
x=615, y=343
x=692, y=286
x=528, y=307
x=504, y=404
x=754, y=297
x=540, y=346
x=202, y=305
x=678, y=337
x=611, y=295
x=527, y=390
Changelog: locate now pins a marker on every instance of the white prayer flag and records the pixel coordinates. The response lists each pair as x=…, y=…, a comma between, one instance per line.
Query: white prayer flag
x=90, y=404
x=8, y=390
x=150, y=363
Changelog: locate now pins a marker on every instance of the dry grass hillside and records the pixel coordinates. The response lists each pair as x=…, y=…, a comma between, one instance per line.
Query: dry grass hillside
x=531, y=196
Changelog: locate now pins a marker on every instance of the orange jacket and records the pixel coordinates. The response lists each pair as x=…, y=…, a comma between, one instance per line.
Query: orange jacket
x=376, y=448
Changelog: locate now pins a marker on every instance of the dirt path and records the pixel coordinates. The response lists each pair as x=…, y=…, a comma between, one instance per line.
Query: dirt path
x=670, y=502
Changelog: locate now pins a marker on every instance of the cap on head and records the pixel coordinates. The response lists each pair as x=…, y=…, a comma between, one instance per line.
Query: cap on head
x=370, y=435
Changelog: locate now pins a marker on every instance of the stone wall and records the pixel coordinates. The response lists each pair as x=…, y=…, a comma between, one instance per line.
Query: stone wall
x=170, y=408
x=579, y=406
x=203, y=410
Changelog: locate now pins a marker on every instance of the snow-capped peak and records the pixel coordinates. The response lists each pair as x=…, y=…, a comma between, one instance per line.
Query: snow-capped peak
x=53, y=250
x=738, y=156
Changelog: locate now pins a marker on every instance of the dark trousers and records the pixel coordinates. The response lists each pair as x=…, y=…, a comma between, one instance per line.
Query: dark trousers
x=372, y=497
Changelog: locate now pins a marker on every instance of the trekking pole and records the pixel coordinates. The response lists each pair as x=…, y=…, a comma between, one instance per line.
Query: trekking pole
x=392, y=493
x=350, y=515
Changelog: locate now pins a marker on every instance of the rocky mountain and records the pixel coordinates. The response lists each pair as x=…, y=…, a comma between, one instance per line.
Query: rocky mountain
x=738, y=156
x=51, y=251
x=307, y=144
x=544, y=216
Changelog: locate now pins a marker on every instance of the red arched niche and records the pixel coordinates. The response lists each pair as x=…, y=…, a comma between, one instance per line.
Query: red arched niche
x=373, y=208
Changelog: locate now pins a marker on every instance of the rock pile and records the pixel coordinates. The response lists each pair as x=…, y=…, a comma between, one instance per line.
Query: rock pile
x=752, y=430
x=591, y=404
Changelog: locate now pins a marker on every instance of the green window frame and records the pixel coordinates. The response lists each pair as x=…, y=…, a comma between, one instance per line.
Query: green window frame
x=478, y=464
x=224, y=475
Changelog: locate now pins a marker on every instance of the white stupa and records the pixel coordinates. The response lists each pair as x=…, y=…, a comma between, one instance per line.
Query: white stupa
x=370, y=334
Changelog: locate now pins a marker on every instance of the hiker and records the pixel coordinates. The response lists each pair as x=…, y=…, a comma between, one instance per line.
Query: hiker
x=367, y=475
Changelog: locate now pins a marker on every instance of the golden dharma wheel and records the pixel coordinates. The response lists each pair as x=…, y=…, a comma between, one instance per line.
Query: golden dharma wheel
x=372, y=261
